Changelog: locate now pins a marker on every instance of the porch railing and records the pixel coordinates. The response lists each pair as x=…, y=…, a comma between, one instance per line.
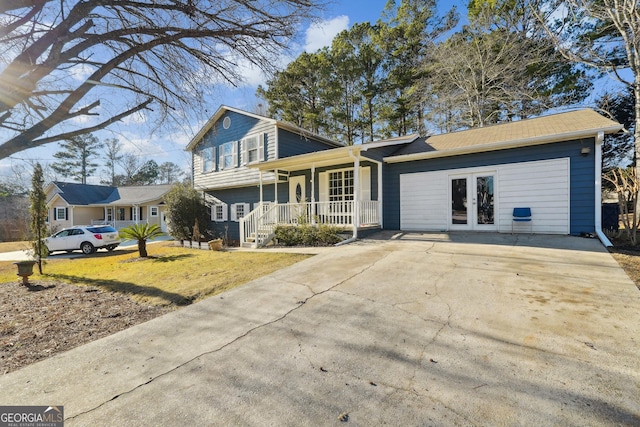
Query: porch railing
x=258, y=226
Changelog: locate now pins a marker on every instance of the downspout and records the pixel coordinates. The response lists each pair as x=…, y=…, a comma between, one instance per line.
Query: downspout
x=598, y=196
x=356, y=191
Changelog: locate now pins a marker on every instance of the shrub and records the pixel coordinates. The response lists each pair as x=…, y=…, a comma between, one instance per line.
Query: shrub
x=307, y=235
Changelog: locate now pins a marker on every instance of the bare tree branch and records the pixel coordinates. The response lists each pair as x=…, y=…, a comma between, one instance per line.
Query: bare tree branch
x=166, y=51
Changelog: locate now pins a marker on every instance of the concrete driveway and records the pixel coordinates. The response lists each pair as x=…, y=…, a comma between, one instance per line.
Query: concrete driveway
x=423, y=329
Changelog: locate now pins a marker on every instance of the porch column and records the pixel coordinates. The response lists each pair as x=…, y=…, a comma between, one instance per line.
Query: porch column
x=380, y=210
x=313, y=193
x=356, y=191
x=275, y=196
x=261, y=194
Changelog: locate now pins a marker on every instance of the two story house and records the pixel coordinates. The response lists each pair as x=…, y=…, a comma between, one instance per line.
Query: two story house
x=262, y=172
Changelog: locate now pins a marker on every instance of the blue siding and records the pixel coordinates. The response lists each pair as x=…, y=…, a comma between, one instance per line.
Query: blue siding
x=582, y=177
x=292, y=144
x=244, y=195
x=241, y=126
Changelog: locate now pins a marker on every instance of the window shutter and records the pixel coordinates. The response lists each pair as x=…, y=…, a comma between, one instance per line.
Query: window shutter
x=244, y=155
x=233, y=212
x=224, y=212
x=247, y=209
x=261, y=154
x=365, y=183
x=140, y=218
x=235, y=154
x=213, y=212
x=213, y=159
x=323, y=186
x=199, y=155
x=55, y=214
x=66, y=214
x=220, y=159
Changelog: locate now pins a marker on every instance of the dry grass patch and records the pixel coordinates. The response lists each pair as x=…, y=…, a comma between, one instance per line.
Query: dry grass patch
x=630, y=263
x=14, y=246
x=172, y=275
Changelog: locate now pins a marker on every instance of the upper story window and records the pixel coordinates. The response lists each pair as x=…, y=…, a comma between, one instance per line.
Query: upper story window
x=208, y=159
x=228, y=155
x=253, y=148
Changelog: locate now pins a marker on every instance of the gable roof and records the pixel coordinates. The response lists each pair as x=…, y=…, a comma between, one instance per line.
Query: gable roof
x=541, y=130
x=87, y=194
x=135, y=195
x=280, y=124
x=82, y=194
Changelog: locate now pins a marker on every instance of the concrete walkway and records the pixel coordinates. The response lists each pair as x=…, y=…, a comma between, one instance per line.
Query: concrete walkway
x=423, y=329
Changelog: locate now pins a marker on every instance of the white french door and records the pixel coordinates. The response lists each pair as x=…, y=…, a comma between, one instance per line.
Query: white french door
x=473, y=201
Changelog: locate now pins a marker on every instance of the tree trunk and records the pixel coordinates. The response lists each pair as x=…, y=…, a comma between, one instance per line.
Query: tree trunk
x=142, y=248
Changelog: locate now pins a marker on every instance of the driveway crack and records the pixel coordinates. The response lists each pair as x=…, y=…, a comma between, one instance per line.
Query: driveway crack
x=233, y=341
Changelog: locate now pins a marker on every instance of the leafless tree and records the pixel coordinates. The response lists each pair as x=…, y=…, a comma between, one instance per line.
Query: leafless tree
x=71, y=67
x=604, y=34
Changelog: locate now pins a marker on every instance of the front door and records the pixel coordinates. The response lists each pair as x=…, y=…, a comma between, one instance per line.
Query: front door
x=473, y=201
x=297, y=193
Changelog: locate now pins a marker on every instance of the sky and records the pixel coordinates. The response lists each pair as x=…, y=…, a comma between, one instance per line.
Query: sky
x=337, y=16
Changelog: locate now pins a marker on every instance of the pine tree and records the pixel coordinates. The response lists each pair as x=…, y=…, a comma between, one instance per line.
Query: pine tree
x=38, y=211
x=76, y=158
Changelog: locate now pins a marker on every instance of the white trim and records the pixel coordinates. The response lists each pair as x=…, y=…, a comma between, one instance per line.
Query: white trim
x=56, y=214
x=246, y=209
x=151, y=208
x=598, y=196
x=223, y=212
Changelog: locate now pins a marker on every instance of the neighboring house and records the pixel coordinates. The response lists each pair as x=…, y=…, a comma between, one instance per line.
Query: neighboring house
x=466, y=180
x=84, y=204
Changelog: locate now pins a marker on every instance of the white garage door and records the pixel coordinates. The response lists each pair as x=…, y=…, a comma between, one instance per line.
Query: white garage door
x=425, y=200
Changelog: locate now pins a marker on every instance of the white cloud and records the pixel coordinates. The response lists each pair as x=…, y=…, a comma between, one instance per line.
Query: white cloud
x=321, y=34
x=81, y=72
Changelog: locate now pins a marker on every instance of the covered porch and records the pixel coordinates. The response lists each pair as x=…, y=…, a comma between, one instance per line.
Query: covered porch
x=339, y=187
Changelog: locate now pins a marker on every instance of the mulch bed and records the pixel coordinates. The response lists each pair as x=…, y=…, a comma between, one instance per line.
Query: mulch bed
x=50, y=317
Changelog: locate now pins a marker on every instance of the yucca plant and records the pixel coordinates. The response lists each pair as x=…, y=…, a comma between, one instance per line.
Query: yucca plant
x=141, y=233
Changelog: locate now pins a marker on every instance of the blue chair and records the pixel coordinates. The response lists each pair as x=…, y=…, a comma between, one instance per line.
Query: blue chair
x=522, y=215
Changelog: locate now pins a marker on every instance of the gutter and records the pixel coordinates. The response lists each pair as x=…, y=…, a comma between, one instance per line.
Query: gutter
x=525, y=142
x=598, y=196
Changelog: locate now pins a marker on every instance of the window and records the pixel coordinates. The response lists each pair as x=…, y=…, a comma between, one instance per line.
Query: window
x=121, y=214
x=341, y=186
x=134, y=214
x=226, y=122
x=60, y=214
x=253, y=149
x=109, y=214
x=228, y=155
x=208, y=156
x=219, y=212
x=239, y=210
x=154, y=211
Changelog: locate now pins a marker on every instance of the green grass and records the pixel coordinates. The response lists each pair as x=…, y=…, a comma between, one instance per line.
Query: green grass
x=173, y=275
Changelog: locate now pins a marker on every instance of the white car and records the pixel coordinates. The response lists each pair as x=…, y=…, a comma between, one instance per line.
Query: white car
x=85, y=238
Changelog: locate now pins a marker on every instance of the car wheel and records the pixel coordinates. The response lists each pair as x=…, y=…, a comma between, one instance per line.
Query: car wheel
x=110, y=248
x=87, y=248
